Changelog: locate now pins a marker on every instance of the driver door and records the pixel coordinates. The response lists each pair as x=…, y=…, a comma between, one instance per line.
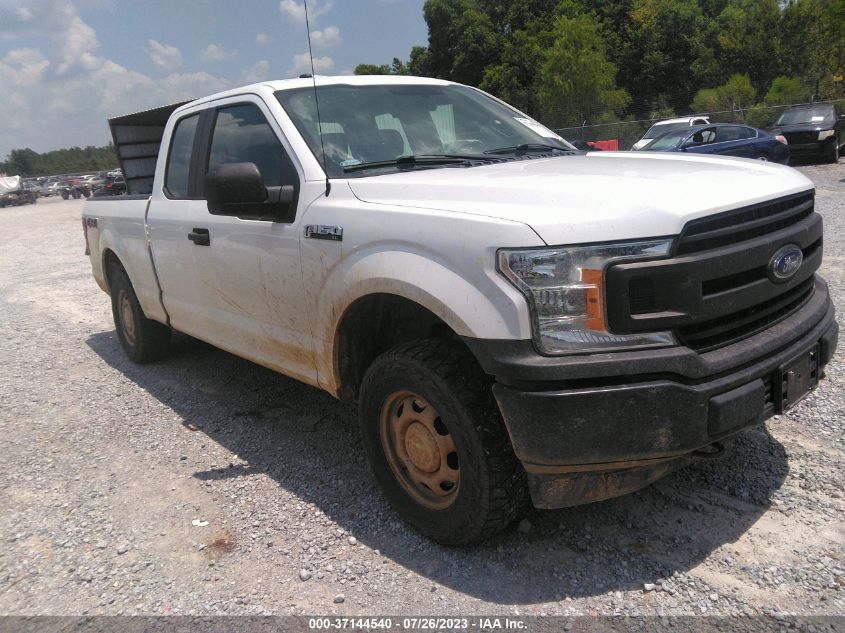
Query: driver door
x=248, y=271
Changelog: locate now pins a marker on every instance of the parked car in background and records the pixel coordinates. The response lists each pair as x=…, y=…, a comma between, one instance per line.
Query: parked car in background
x=724, y=139
x=815, y=130
x=32, y=186
x=92, y=182
x=13, y=192
x=51, y=188
x=114, y=186
x=669, y=125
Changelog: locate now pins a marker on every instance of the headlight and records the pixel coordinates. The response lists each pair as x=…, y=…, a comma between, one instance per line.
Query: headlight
x=826, y=134
x=565, y=291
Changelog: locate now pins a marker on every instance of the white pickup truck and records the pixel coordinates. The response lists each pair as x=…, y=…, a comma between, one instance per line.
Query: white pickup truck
x=517, y=321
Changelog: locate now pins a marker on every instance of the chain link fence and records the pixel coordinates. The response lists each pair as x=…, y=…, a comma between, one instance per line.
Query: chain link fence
x=626, y=133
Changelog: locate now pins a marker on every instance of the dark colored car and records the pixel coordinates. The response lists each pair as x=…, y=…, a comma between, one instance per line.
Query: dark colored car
x=815, y=130
x=114, y=186
x=724, y=139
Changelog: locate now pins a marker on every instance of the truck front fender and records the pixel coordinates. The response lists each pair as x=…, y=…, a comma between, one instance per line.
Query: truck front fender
x=486, y=307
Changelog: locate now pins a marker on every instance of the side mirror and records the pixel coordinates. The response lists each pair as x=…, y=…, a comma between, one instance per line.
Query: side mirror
x=237, y=189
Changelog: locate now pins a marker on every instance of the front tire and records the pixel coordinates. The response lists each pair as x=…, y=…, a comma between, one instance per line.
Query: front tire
x=437, y=443
x=833, y=154
x=142, y=339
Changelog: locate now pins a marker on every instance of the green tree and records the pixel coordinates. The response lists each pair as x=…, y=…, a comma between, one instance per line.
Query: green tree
x=576, y=81
x=814, y=36
x=786, y=91
x=462, y=41
x=735, y=96
x=397, y=67
x=26, y=162
x=746, y=39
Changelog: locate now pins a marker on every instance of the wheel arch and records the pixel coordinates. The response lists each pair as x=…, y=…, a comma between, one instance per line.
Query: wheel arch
x=373, y=324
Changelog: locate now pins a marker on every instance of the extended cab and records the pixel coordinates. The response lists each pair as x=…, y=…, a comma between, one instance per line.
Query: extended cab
x=517, y=321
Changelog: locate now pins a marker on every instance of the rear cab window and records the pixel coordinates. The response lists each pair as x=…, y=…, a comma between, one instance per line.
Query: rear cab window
x=177, y=176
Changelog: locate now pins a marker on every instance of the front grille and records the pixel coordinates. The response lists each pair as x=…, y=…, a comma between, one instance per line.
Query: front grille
x=716, y=289
x=729, y=328
x=746, y=223
x=801, y=138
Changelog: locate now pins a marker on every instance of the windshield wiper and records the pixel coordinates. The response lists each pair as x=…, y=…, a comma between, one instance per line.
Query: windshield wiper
x=420, y=159
x=526, y=147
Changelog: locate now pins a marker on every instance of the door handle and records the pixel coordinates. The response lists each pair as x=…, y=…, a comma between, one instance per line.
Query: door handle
x=200, y=237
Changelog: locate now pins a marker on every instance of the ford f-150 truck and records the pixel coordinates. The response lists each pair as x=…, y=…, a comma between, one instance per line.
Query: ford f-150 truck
x=516, y=320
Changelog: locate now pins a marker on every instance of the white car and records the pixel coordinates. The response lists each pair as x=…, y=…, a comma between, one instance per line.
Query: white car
x=662, y=127
x=515, y=321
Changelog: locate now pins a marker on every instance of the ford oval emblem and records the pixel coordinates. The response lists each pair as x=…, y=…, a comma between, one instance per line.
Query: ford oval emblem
x=785, y=263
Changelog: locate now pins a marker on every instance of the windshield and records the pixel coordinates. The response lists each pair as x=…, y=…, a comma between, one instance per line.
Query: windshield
x=662, y=128
x=371, y=124
x=806, y=115
x=669, y=140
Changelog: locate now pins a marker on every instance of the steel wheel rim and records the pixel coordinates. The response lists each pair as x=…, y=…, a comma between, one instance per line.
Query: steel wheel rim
x=420, y=450
x=127, y=317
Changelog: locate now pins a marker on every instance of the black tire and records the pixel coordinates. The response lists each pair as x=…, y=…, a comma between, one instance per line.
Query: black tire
x=763, y=157
x=143, y=339
x=65, y=195
x=491, y=492
x=833, y=154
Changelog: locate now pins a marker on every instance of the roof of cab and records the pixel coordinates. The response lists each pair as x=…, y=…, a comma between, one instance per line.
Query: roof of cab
x=320, y=80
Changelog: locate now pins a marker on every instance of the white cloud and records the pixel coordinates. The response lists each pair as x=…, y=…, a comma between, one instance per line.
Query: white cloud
x=216, y=53
x=62, y=94
x=164, y=56
x=296, y=10
x=262, y=39
x=80, y=40
x=255, y=73
x=302, y=64
x=327, y=38
x=22, y=67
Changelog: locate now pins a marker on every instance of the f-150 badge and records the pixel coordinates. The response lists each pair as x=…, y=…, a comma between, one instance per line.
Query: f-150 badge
x=322, y=232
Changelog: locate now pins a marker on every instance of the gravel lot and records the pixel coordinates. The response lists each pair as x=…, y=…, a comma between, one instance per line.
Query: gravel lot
x=208, y=485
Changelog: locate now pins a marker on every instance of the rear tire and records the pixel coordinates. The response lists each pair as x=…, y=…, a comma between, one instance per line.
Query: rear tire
x=763, y=157
x=143, y=339
x=428, y=415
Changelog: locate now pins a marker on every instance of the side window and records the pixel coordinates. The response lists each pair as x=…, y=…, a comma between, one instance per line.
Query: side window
x=726, y=134
x=702, y=137
x=242, y=135
x=747, y=132
x=179, y=158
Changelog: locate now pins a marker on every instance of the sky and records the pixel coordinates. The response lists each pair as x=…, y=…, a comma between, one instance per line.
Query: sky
x=66, y=66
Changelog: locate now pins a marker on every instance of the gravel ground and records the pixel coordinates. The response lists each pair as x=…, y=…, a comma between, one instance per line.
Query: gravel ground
x=208, y=485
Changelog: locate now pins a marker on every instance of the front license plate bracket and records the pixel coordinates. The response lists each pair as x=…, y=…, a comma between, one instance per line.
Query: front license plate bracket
x=797, y=378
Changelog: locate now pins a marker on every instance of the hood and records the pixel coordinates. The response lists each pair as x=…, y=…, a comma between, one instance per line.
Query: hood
x=594, y=197
x=803, y=127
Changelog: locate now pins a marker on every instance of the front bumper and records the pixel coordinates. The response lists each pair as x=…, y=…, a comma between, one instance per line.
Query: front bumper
x=601, y=433
x=812, y=149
